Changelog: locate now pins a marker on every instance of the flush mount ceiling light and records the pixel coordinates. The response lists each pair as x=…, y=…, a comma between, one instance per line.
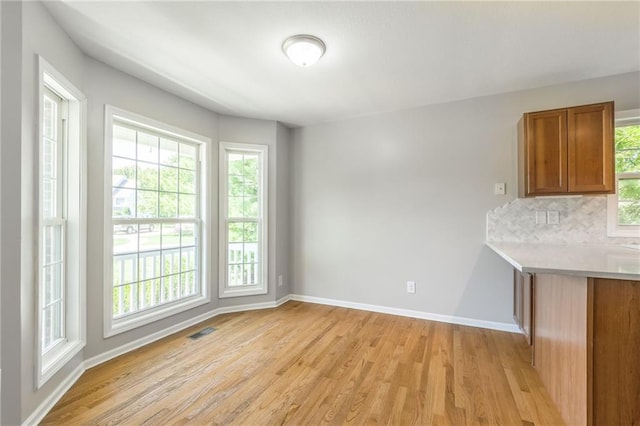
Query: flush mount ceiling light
x=303, y=49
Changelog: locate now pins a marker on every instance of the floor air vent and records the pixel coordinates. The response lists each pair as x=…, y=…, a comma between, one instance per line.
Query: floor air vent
x=202, y=332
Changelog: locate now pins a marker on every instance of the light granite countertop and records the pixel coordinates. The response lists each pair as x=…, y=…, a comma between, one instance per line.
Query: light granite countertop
x=598, y=261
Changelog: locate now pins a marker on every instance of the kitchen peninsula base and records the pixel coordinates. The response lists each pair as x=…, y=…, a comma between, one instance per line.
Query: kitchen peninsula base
x=587, y=345
x=585, y=326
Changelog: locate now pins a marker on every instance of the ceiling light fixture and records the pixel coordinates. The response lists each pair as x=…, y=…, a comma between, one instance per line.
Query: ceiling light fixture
x=303, y=49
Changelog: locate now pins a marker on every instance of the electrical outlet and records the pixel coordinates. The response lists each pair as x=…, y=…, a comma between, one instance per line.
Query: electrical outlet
x=541, y=218
x=280, y=281
x=411, y=286
x=553, y=217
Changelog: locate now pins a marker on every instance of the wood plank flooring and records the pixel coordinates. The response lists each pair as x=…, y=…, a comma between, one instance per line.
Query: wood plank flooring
x=307, y=364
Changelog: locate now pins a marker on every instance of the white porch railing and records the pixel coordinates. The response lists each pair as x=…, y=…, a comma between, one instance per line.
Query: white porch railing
x=151, y=278
x=243, y=264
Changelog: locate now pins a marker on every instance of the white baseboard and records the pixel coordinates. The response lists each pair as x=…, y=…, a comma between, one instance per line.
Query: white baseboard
x=42, y=410
x=283, y=300
x=121, y=350
x=492, y=325
x=247, y=307
x=106, y=356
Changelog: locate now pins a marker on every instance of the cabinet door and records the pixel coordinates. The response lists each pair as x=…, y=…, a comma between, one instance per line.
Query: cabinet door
x=523, y=303
x=518, y=298
x=527, y=306
x=546, y=152
x=590, y=148
x=615, y=310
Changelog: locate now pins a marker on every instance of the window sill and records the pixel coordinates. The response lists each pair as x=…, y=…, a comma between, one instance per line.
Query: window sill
x=59, y=359
x=120, y=325
x=633, y=232
x=244, y=291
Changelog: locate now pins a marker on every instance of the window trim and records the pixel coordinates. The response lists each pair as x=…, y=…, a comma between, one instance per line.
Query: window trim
x=614, y=229
x=74, y=212
x=113, y=326
x=224, y=291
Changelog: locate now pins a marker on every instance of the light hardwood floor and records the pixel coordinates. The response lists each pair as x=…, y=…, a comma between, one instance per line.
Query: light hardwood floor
x=307, y=364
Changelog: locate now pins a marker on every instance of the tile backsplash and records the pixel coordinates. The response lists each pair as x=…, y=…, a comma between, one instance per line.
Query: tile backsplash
x=581, y=220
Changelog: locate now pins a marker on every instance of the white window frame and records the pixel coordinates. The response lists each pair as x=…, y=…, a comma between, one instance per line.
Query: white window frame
x=113, y=326
x=614, y=229
x=224, y=290
x=73, y=217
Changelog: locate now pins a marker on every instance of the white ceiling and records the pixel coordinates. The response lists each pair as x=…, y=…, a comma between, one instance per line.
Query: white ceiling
x=381, y=56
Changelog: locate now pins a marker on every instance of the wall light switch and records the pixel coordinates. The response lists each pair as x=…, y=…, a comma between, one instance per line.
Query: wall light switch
x=553, y=217
x=541, y=218
x=500, y=188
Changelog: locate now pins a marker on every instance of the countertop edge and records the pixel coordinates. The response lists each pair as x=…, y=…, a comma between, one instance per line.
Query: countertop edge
x=576, y=272
x=505, y=256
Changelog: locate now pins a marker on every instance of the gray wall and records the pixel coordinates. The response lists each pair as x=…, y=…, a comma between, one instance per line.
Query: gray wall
x=1, y=136
x=11, y=40
x=283, y=207
x=403, y=196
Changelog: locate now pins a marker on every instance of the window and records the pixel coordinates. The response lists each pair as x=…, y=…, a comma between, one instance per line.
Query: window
x=62, y=223
x=156, y=202
x=624, y=206
x=243, y=219
x=53, y=222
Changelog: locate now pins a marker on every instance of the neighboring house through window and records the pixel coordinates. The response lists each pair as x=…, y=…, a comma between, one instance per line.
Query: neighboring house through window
x=155, y=233
x=62, y=223
x=624, y=206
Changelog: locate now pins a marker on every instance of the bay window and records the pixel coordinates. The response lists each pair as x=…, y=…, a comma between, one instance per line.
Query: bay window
x=156, y=227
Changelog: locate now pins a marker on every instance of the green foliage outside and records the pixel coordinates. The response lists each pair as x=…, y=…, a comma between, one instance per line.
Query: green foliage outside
x=243, y=194
x=628, y=161
x=243, y=212
x=243, y=186
x=246, y=232
x=160, y=173
x=163, y=191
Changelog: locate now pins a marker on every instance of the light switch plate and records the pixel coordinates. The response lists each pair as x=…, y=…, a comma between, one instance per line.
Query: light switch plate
x=500, y=188
x=553, y=217
x=541, y=218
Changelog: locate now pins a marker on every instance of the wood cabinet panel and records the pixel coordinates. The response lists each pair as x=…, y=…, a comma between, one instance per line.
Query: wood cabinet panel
x=560, y=343
x=590, y=148
x=587, y=347
x=547, y=152
x=616, y=352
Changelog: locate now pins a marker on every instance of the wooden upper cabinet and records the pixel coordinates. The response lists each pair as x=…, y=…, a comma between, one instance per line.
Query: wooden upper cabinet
x=591, y=148
x=547, y=151
x=567, y=151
